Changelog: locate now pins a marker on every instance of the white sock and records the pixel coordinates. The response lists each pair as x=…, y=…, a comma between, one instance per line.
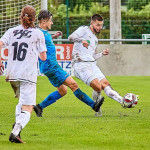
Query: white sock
x=96, y=95
x=17, y=128
x=21, y=121
x=113, y=94
x=18, y=111
x=23, y=118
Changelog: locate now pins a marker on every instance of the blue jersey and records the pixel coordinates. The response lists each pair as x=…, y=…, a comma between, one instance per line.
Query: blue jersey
x=50, y=67
x=51, y=61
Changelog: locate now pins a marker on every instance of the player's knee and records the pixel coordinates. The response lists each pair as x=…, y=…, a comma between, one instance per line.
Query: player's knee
x=75, y=85
x=96, y=85
x=105, y=83
x=97, y=88
x=64, y=92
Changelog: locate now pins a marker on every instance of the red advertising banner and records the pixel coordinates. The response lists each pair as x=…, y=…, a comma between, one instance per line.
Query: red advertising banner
x=63, y=52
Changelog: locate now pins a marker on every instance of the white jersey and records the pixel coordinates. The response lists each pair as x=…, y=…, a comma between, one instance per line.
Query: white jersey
x=24, y=46
x=79, y=51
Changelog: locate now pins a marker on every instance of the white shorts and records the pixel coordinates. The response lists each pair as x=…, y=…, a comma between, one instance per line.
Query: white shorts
x=87, y=71
x=25, y=91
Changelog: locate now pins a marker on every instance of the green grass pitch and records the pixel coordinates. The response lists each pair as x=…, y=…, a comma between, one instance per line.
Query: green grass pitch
x=69, y=124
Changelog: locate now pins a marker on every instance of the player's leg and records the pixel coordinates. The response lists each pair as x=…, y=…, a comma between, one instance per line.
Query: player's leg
x=16, y=88
x=56, y=76
x=96, y=85
x=27, y=99
x=18, y=110
x=96, y=95
x=50, y=99
x=54, y=96
x=86, y=73
x=71, y=83
x=111, y=92
x=20, y=123
x=105, y=85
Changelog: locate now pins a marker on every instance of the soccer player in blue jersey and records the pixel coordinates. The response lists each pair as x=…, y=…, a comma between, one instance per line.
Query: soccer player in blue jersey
x=56, y=75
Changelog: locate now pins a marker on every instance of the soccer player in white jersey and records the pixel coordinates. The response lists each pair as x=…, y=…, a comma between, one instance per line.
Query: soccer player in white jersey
x=25, y=43
x=56, y=75
x=84, y=58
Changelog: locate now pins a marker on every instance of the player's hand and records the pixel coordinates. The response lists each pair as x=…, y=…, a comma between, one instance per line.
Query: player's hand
x=59, y=33
x=85, y=43
x=106, y=51
x=1, y=68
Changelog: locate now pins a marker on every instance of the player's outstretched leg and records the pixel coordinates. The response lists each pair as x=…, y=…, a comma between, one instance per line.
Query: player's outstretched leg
x=86, y=99
x=113, y=94
x=97, y=95
x=50, y=99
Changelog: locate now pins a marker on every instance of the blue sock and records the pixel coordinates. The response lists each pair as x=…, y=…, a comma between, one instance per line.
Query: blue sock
x=84, y=98
x=50, y=99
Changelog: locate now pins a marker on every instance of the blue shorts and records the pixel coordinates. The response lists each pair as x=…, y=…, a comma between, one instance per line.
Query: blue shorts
x=57, y=76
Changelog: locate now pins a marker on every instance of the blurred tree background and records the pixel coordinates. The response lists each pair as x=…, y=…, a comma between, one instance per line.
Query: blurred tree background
x=68, y=15
x=135, y=16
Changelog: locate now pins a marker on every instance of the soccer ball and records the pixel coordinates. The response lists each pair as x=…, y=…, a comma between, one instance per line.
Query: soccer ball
x=130, y=100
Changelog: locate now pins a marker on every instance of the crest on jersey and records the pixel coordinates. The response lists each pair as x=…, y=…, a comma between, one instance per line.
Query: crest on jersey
x=22, y=33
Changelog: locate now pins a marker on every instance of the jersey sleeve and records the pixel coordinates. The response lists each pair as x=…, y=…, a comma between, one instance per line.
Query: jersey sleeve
x=77, y=36
x=41, y=44
x=6, y=37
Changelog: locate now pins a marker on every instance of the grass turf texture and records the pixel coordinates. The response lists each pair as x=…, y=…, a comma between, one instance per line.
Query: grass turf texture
x=70, y=124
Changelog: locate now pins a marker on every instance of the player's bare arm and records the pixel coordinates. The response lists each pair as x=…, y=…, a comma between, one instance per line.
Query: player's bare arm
x=43, y=56
x=1, y=65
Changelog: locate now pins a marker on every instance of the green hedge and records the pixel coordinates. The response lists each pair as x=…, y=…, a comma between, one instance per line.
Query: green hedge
x=134, y=23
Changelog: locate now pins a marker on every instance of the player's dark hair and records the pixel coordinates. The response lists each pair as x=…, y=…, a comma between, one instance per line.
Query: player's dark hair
x=44, y=15
x=96, y=17
x=28, y=16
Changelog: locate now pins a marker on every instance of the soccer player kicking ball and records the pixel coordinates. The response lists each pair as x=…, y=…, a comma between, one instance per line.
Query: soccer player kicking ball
x=25, y=43
x=56, y=75
x=84, y=58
